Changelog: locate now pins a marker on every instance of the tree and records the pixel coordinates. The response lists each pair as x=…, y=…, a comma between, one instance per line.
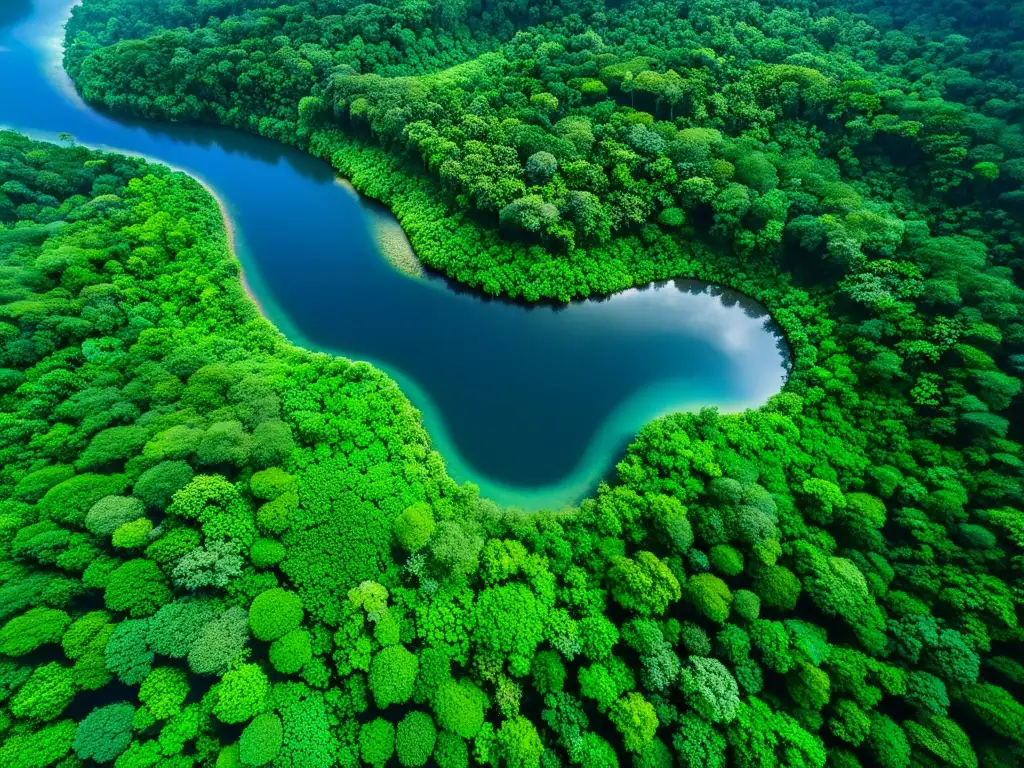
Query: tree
x=727, y=560
x=809, y=686
x=289, y=654
x=760, y=735
x=274, y=614
x=38, y=626
x=225, y=442
x=307, y=736
x=272, y=443
x=111, y=447
x=90, y=669
x=83, y=633
x=45, y=695
x=172, y=544
x=548, y=672
x=270, y=484
x=392, y=674
x=37, y=749
x=175, y=628
x=588, y=214
x=370, y=597
x=540, y=167
x=105, y=733
x=377, y=742
x=598, y=683
x=672, y=217
x=643, y=584
x=219, y=643
x=746, y=605
x=995, y=707
x=164, y=691
x=138, y=588
x=709, y=595
x=529, y=213
x=849, y=722
x=544, y=101
x=635, y=719
x=656, y=755
x=941, y=741
x=598, y=636
x=111, y=512
x=825, y=497
x=756, y=170
x=266, y=553
x=34, y=485
x=261, y=740
x=413, y=527
x=520, y=743
x=416, y=736
x=495, y=634
x=953, y=659
x=459, y=707
x=888, y=743
x=157, y=485
x=71, y=500
x=778, y=587
x=450, y=751
x=595, y=752
x=127, y=654
x=132, y=535
x=240, y=694
x=455, y=548
x=927, y=692
x=710, y=689
x=213, y=565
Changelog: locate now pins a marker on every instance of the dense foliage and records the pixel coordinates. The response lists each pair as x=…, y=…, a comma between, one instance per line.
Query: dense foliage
x=253, y=549
x=762, y=128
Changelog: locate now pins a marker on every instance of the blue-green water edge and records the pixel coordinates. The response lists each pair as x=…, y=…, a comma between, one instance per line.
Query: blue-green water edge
x=533, y=404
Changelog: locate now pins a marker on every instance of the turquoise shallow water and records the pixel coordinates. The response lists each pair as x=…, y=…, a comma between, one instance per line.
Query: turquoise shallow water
x=533, y=404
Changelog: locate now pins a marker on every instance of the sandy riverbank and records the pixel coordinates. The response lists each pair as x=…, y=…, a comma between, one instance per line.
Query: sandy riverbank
x=229, y=234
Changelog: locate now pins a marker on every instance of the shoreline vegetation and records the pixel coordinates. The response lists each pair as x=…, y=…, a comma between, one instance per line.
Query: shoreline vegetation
x=228, y=225
x=229, y=236
x=287, y=573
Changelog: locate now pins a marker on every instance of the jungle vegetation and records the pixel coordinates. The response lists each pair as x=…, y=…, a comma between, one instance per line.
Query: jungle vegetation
x=220, y=550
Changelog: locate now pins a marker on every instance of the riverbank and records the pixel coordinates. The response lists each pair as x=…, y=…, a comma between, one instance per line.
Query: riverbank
x=518, y=398
x=229, y=234
x=54, y=46
x=228, y=224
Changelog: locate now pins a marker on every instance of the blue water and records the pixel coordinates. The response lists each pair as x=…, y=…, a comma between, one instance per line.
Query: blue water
x=533, y=404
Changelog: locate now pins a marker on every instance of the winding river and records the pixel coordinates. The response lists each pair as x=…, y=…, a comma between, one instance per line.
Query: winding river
x=533, y=404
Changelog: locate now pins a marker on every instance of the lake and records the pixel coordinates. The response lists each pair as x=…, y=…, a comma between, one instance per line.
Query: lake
x=534, y=404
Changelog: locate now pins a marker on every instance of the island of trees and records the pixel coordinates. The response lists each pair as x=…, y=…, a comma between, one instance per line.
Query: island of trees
x=220, y=550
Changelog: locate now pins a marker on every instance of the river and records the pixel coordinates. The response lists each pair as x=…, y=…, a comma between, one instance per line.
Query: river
x=533, y=404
